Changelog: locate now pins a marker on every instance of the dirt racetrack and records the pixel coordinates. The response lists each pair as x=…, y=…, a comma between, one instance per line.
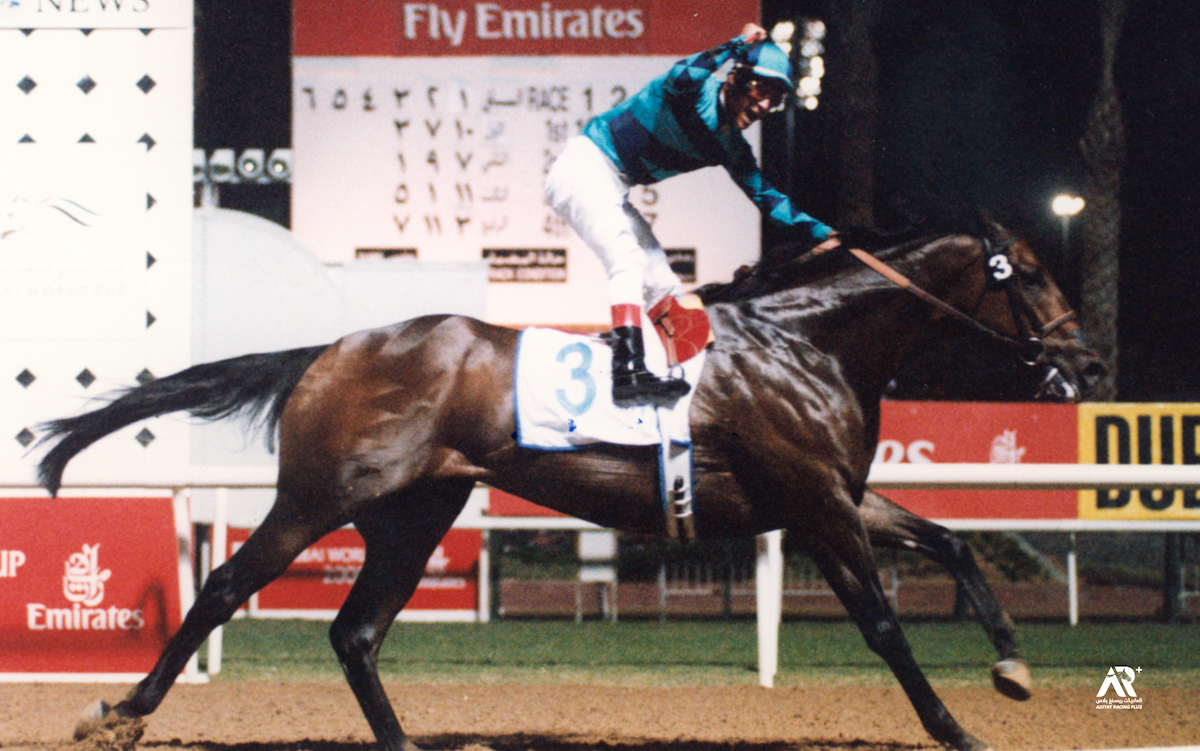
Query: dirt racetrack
x=260, y=716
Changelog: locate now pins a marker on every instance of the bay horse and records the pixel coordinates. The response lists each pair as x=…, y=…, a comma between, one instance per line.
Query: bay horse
x=390, y=429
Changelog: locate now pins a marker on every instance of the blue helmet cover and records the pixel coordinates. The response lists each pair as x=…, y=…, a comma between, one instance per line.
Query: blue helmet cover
x=767, y=60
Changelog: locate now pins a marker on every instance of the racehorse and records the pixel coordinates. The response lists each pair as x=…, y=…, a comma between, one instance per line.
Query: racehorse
x=390, y=429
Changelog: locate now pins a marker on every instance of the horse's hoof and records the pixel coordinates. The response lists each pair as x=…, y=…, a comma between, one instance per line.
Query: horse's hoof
x=91, y=718
x=970, y=743
x=101, y=729
x=1011, y=678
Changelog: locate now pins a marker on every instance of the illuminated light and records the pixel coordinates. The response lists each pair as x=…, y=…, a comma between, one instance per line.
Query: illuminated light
x=221, y=166
x=783, y=32
x=811, y=48
x=809, y=86
x=816, y=67
x=279, y=164
x=1066, y=205
x=810, y=103
x=250, y=164
x=199, y=165
x=815, y=29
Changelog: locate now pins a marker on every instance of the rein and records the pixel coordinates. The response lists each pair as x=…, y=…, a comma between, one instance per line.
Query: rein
x=1029, y=351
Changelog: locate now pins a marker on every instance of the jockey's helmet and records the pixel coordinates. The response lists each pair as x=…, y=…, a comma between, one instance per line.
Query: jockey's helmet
x=767, y=60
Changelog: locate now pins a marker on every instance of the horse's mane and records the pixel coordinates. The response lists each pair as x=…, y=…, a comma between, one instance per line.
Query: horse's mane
x=794, y=264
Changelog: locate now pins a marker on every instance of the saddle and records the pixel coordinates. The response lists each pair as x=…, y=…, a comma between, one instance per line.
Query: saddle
x=561, y=402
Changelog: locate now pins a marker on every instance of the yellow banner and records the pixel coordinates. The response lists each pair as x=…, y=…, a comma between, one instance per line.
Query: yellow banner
x=1139, y=434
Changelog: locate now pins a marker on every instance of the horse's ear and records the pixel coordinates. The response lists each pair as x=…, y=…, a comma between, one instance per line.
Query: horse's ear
x=989, y=227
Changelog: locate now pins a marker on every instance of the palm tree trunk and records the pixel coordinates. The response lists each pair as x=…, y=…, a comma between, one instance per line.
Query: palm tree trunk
x=1103, y=147
x=855, y=96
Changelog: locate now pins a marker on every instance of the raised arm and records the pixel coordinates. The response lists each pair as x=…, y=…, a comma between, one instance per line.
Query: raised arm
x=689, y=74
x=775, y=206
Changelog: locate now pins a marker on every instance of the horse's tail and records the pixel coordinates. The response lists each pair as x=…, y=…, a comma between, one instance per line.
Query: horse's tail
x=245, y=386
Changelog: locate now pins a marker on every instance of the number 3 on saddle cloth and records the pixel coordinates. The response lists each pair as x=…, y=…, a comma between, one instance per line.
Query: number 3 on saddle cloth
x=563, y=402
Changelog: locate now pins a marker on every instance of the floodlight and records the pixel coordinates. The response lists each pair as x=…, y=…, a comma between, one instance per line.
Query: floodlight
x=279, y=165
x=199, y=164
x=250, y=164
x=221, y=166
x=1065, y=204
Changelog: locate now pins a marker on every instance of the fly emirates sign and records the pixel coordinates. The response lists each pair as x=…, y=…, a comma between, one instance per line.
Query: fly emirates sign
x=383, y=28
x=493, y=21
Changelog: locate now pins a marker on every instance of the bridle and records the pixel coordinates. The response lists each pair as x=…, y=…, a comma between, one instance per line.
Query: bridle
x=1029, y=346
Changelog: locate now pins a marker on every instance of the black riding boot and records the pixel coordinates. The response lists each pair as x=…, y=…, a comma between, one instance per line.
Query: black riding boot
x=632, y=383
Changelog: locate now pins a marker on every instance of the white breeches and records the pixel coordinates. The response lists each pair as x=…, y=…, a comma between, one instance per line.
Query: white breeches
x=587, y=190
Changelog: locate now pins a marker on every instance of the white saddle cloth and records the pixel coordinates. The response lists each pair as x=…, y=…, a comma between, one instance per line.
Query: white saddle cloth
x=564, y=394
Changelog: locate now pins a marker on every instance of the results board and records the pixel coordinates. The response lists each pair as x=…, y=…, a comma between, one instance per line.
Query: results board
x=430, y=138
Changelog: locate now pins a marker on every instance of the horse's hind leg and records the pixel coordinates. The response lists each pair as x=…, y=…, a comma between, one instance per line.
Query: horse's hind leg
x=400, y=532
x=839, y=545
x=892, y=526
x=284, y=533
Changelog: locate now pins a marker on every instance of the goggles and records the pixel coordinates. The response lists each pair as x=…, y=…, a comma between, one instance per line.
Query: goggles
x=759, y=89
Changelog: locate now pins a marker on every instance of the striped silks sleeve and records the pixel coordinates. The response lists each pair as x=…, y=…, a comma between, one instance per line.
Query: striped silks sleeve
x=775, y=206
x=690, y=73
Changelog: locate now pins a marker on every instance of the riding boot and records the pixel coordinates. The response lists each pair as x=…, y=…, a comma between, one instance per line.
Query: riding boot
x=632, y=382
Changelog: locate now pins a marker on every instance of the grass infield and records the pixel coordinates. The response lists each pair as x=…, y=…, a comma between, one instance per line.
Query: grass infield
x=644, y=653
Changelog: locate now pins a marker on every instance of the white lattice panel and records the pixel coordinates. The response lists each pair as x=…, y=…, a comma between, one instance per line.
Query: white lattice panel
x=95, y=213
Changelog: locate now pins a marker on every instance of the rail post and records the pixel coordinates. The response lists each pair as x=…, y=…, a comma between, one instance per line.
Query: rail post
x=768, y=594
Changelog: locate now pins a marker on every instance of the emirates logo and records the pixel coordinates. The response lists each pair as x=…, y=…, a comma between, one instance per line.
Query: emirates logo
x=84, y=580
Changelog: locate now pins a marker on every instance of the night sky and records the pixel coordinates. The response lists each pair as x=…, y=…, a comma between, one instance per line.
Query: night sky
x=980, y=102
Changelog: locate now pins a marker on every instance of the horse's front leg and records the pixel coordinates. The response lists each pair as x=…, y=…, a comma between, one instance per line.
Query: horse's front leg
x=892, y=526
x=837, y=540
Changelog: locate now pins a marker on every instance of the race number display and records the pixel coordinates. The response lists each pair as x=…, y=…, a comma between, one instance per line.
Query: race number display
x=426, y=130
x=89, y=587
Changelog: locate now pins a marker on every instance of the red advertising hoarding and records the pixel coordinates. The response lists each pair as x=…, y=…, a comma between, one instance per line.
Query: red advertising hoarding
x=983, y=432
x=507, y=504
x=90, y=588
x=317, y=582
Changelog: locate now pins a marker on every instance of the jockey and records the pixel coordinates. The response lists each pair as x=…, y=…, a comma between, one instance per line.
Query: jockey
x=681, y=121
